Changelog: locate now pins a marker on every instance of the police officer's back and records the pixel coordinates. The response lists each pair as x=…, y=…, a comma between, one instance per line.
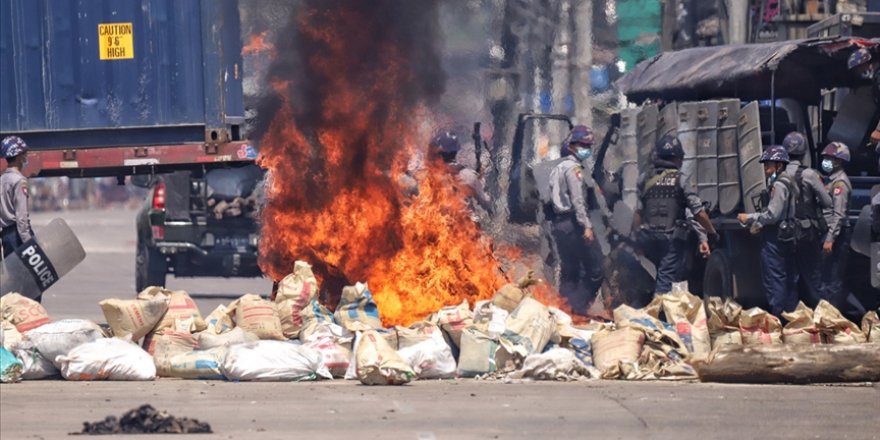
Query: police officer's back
x=15, y=227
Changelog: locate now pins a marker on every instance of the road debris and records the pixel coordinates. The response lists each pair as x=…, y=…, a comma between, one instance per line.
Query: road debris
x=145, y=420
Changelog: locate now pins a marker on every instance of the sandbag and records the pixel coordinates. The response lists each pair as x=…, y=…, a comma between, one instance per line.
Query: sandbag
x=759, y=327
x=528, y=329
x=659, y=334
x=208, y=340
x=478, y=353
x=431, y=358
x=871, y=326
x=800, y=328
x=378, y=363
x=181, y=309
x=34, y=365
x=294, y=293
x=273, y=361
x=417, y=332
x=554, y=364
x=313, y=316
x=10, y=335
x=335, y=356
x=135, y=317
x=723, y=321
x=166, y=345
x=108, y=359
x=834, y=327
x=22, y=312
x=510, y=295
x=198, y=364
x=10, y=367
x=58, y=338
x=685, y=311
x=611, y=347
x=356, y=310
x=219, y=321
x=256, y=315
x=453, y=320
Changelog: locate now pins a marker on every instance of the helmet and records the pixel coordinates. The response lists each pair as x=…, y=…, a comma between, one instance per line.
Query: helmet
x=837, y=150
x=858, y=58
x=669, y=147
x=446, y=142
x=580, y=134
x=795, y=143
x=12, y=146
x=775, y=153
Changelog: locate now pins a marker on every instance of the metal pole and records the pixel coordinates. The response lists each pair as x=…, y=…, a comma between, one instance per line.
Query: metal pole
x=583, y=41
x=738, y=14
x=773, y=107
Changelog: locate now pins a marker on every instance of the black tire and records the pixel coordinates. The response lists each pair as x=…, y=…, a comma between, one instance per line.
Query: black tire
x=150, y=268
x=718, y=278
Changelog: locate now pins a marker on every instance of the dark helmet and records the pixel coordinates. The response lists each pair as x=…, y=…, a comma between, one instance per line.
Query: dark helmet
x=795, y=143
x=858, y=58
x=12, y=146
x=580, y=134
x=775, y=153
x=837, y=150
x=446, y=142
x=669, y=147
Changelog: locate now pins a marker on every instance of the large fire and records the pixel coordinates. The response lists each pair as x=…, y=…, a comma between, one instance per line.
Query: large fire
x=337, y=158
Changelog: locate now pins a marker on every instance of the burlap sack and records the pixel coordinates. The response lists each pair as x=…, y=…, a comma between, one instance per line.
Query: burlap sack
x=11, y=335
x=22, y=312
x=834, y=327
x=453, y=320
x=378, y=363
x=181, y=309
x=301, y=286
x=477, y=354
x=686, y=312
x=164, y=346
x=313, y=315
x=258, y=316
x=528, y=329
x=723, y=321
x=611, y=347
x=759, y=327
x=800, y=330
x=418, y=332
x=198, y=364
x=208, y=340
x=335, y=355
x=510, y=295
x=219, y=321
x=871, y=326
x=645, y=320
x=134, y=317
x=356, y=310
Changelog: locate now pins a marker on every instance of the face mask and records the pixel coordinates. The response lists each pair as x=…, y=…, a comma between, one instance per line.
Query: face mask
x=868, y=74
x=771, y=179
x=583, y=153
x=827, y=166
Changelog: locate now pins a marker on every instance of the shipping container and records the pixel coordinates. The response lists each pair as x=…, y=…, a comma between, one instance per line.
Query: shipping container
x=109, y=87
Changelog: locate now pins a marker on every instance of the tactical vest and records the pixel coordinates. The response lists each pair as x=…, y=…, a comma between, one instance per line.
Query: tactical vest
x=663, y=201
x=806, y=210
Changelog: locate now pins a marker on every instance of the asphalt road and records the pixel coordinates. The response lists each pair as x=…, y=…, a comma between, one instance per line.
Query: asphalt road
x=424, y=410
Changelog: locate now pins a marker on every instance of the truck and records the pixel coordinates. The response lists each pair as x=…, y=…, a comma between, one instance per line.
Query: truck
x=725, y=104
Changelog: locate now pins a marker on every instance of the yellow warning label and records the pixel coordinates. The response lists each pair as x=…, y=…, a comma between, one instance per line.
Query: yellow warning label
x=115, y=41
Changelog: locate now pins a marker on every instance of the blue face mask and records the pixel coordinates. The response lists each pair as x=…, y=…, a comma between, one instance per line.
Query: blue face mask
x=771, y=179
x=827, y=166
x=583, y=154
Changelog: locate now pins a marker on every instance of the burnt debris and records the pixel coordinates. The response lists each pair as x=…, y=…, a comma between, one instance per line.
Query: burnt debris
x=145, y=420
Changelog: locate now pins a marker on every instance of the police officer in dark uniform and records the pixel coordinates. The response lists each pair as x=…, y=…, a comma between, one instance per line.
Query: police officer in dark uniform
x=776, y=223
x=15, y=225
x=813, y=198
x=667, y=202
x=836, y=241
x=579, y=252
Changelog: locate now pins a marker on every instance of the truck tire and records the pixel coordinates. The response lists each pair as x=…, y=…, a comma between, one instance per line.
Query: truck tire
x=718, y=278
x=150, y=268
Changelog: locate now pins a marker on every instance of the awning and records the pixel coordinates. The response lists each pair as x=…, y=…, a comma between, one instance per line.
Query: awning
x=803, y=68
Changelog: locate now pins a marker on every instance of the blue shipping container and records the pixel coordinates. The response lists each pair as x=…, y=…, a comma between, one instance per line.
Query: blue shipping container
x=101, y=73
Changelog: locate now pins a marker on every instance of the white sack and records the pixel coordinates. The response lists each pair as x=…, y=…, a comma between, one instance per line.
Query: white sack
x=269, y=361
x=59, y=337
x=108, y=359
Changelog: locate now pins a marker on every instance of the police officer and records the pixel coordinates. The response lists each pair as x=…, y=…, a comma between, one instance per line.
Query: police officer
x=667, y=202
x=834, y=247
x=775, y=224
x=579, y=252
x=812, y=199
x=15, y=225
x=449, y=148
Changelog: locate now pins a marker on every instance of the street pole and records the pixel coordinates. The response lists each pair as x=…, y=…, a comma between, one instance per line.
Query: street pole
x=583, y=60
x=738, y=14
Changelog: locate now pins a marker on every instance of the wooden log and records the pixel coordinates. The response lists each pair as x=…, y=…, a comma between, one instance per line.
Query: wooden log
x=793, y=364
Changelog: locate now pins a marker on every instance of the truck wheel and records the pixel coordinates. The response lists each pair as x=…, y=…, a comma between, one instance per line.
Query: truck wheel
x=718, y=278
x=150, y=268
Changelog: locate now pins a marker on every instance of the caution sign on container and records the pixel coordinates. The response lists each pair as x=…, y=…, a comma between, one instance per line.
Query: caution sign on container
x=115, y=41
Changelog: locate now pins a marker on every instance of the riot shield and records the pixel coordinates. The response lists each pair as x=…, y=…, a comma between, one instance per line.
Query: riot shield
x=752, y=180
x=629, y=155
x=42, y=261
x=646, y=136
x=667, y=121
x=854, y=117
x=707, y=153
x=688, y=121
x=861, y=236
x=875, y=265
x=728, y=159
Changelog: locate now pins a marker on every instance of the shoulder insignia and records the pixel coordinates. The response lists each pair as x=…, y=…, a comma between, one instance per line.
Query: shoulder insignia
x=838, y=189
x=24, y=188
x=577, y=172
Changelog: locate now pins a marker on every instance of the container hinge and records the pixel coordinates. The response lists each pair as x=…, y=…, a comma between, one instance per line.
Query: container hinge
x=140, y=152
x=69, y=155
x=211, y=149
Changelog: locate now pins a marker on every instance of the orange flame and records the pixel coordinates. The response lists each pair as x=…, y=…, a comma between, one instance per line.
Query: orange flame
x=257, y=43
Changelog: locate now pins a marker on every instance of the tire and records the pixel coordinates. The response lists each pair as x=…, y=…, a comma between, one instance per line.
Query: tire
x=718, y=278
x=150, y=268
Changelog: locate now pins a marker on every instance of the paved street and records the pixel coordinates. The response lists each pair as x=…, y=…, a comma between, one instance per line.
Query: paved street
x=423, y=410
